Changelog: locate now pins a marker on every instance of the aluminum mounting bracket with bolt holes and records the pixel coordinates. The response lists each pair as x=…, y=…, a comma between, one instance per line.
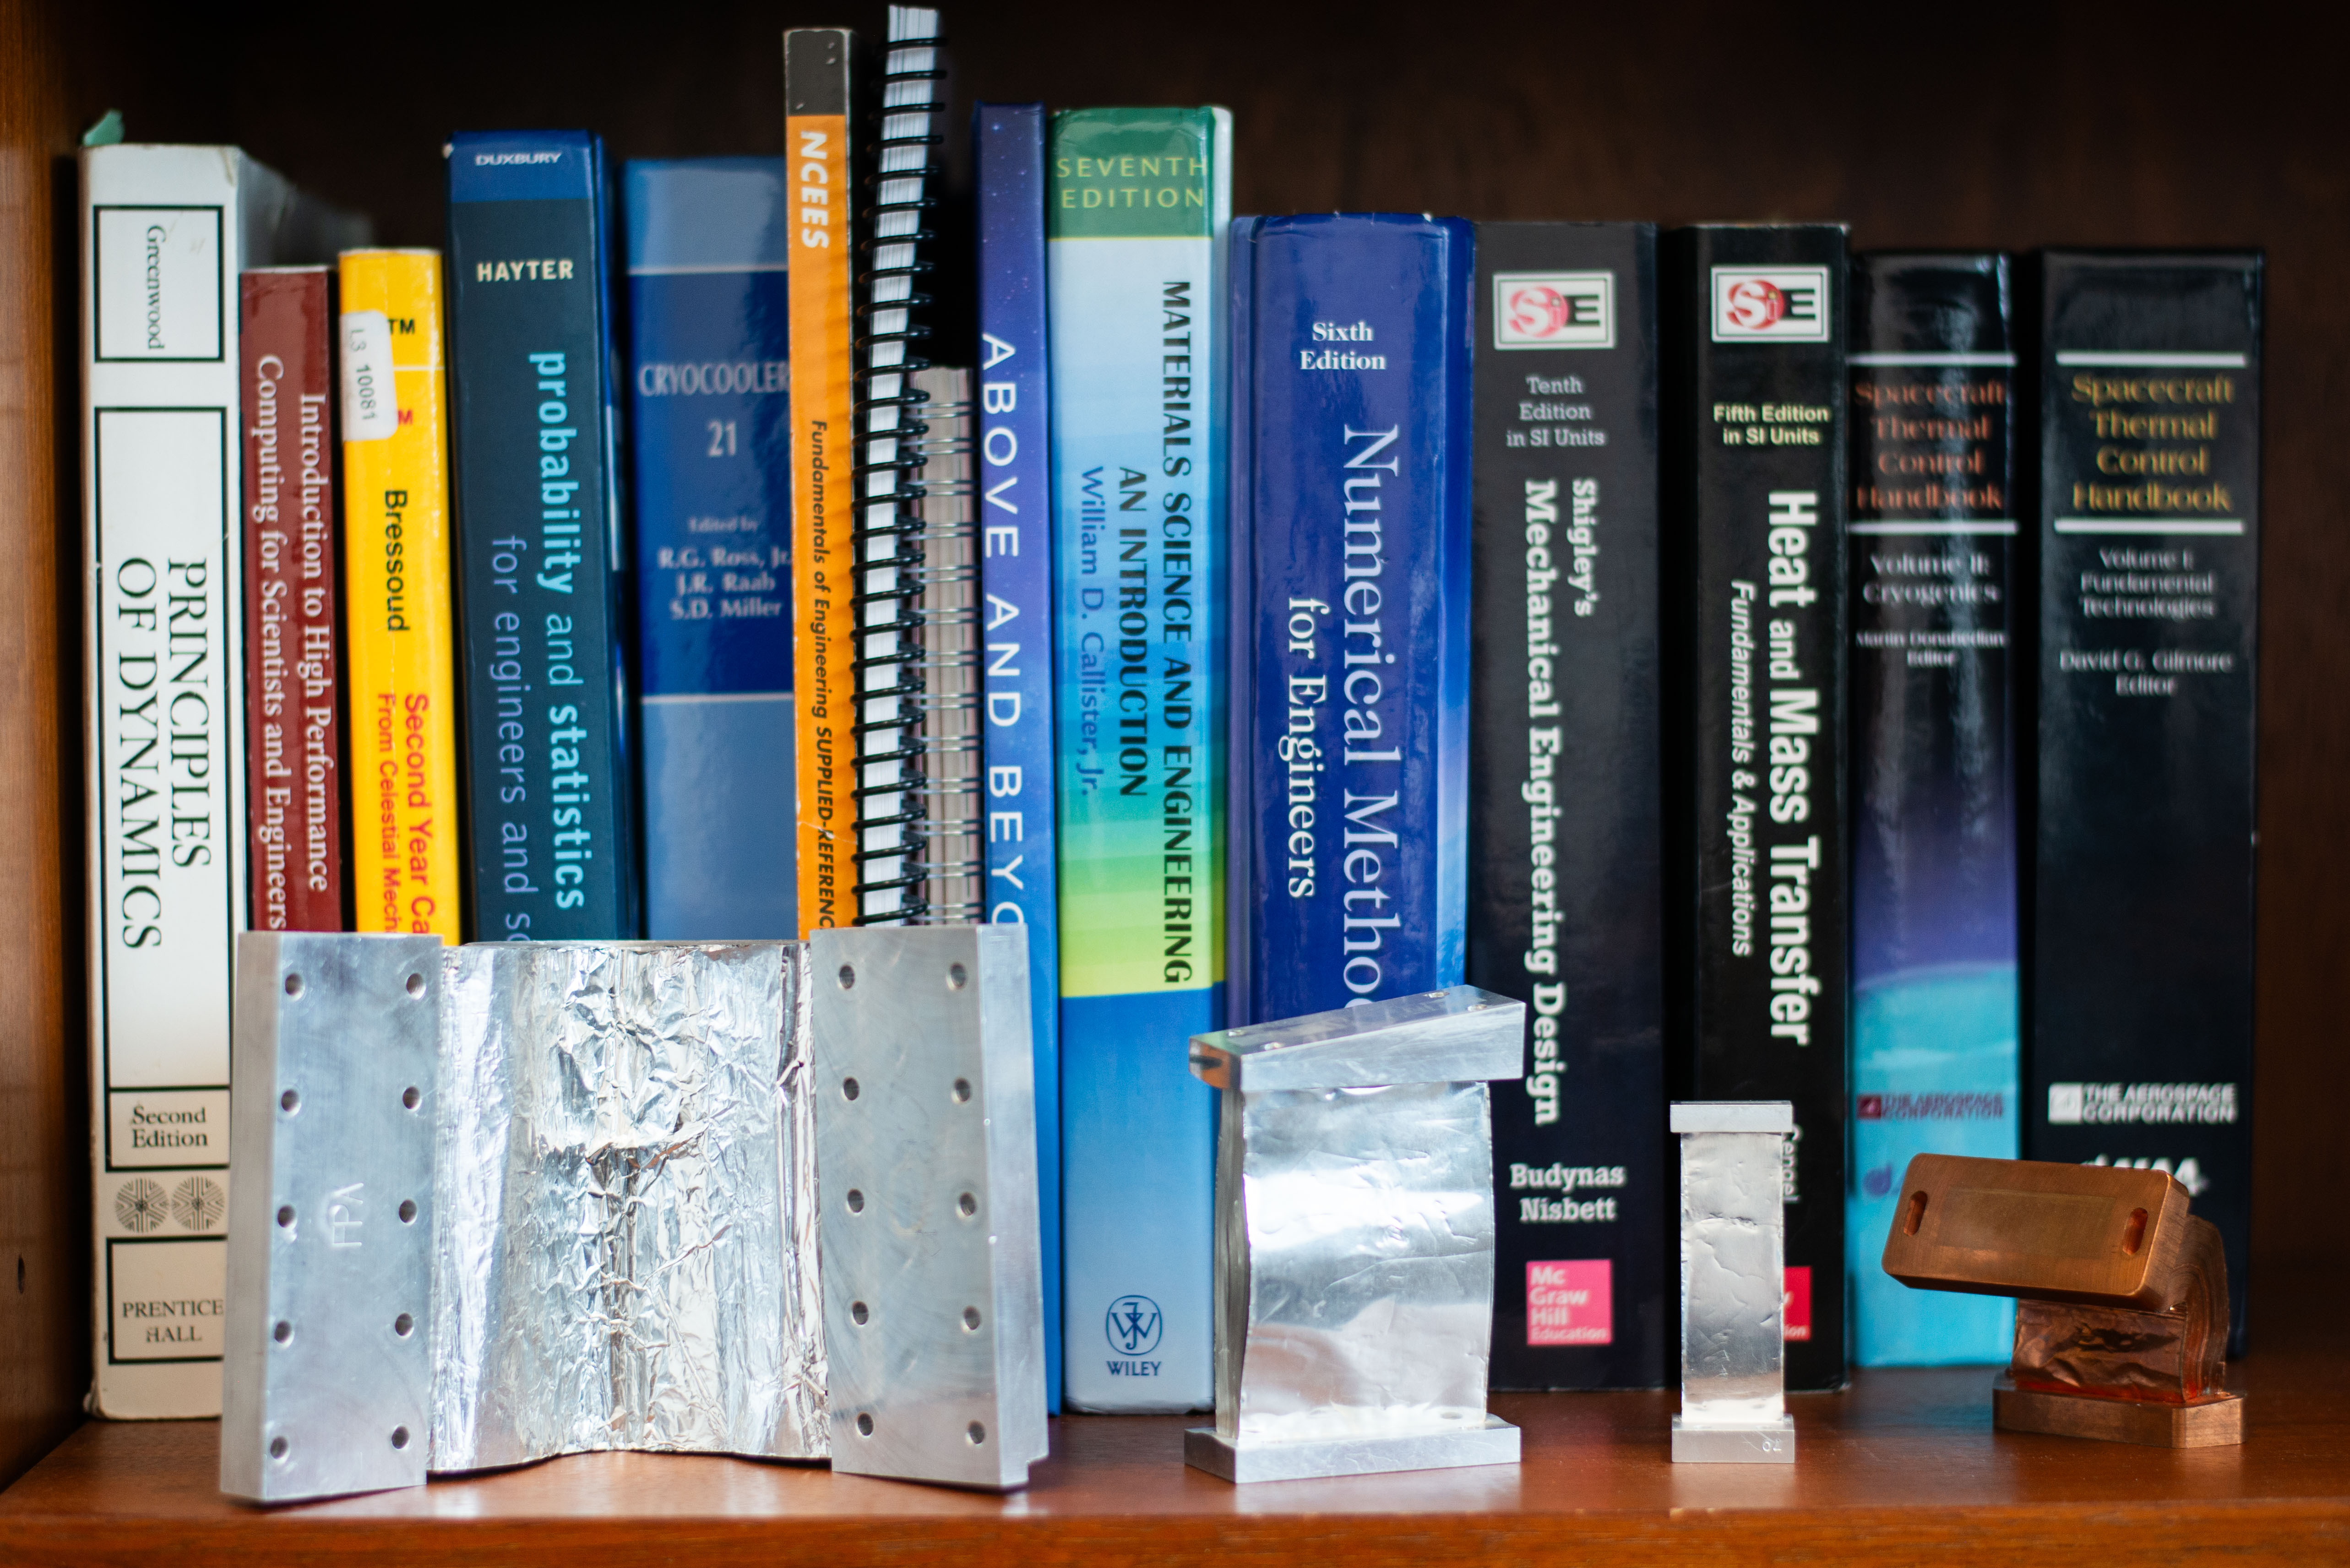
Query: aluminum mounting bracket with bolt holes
x=327, y=1373
x=926, y=1165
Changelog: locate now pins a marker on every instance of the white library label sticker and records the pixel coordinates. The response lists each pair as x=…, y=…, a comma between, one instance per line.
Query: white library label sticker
x=158, y=276
x=371, y=407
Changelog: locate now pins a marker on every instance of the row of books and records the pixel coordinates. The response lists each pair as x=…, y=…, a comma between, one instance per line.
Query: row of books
x=1795, y=676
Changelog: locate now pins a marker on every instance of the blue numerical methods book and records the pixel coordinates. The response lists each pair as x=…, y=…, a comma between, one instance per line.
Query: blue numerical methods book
x=1016, y=580
x=1934, y=915
x=1351, y=867
x=549, y=786
x=1138, y=201
x=708, y=378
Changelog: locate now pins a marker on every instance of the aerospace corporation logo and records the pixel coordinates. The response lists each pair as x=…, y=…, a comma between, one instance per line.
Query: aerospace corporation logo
x=1759, y=305
x=1554, y=310
x=1134, y=1325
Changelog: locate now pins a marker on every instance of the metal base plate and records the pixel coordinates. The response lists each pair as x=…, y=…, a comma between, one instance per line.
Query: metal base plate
x=1766, y=1443
x=1495, y=1443
x=2214, y=1423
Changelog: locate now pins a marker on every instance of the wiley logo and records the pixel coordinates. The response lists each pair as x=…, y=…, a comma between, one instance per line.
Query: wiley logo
x=1782, y=303
x=1554, y=310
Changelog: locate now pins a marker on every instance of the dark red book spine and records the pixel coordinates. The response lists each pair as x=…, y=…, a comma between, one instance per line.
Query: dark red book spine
x=293, y=638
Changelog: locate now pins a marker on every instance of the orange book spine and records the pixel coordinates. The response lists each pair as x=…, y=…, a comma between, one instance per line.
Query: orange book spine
x=818, y=72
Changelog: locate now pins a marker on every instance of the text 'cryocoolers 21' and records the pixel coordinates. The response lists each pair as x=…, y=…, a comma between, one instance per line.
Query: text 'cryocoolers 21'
x=541, y=556
x=1138, y=204
x=1350, y=608
x=708, y=323
x=1754, y=442
x=1565, y=911
x=2139, y=999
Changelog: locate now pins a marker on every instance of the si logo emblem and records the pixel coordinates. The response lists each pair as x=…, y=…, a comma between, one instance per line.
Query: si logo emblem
x=1134, y=1324
x=1554, y=310
x=1758, y=303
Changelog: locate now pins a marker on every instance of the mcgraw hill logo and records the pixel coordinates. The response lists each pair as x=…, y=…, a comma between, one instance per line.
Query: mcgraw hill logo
x=1554, y=310
x=1754, y=305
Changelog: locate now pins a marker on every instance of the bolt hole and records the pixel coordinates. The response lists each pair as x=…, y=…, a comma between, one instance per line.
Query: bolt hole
x=407, y=1211
x=864, y=1426
x=282, y=1333
x=962, y=1091
x=848, y=979
x=410, y=1096
x=967, y=1205
x=399, y=1437
x=849, y=1088
x=404, y=1325
x=277, y=1447
x=1912, y=1213
x=286, y=1218
x=289, y=1102
x=857, y=1311
x=957, y=977
x=855, y=1201
x=2133, y=1232
x=292, y=985
x=971, y=1317
x=976, y=1433
x=415, y=985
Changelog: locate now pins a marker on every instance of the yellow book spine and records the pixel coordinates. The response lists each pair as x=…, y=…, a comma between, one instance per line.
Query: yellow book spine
x=406, y=871
x=823, y=516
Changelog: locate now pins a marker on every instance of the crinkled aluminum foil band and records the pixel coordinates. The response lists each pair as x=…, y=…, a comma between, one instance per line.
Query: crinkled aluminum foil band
x=625, y=1183
x=1355, y=1262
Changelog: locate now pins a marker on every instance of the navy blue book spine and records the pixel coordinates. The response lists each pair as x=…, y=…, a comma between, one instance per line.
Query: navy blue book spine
x=1015, y=578
x=541, y=553
x=710, y=434
x=1359, y=628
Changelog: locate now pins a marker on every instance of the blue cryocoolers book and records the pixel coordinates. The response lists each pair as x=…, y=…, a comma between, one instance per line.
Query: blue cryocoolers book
x=1016, y=580
x=1932, y=576
x=1138, y=201
x=1350, y=834
x=542, y=558
x=709, y=404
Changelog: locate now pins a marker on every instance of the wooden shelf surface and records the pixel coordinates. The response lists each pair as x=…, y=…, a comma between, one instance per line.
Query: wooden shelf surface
x=1905, y=1466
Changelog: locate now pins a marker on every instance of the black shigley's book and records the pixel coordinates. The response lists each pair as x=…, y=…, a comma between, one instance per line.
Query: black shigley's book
x=1564, y=821
x=552, y=848
x=2138, y=1001
x=1754, y=328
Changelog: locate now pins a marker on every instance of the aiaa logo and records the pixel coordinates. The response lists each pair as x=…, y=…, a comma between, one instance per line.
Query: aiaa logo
x=1554, y=310
x=1134, y=1325
x=1782, y=304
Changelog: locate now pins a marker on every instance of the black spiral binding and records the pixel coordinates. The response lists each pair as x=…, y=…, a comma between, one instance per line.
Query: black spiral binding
x=894, y=237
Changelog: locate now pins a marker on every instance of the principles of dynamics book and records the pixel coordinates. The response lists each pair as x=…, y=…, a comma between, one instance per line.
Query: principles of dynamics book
x=2138, y=1002
x=1138, y=204
x=1754, y=442
x=164, y=231
x=1015, y=578
x=708, y=245
x=1351, y=647
x=822, y=68
x=293, y=645
x=406, y=859
x=1931, y=563
x=1566, y=825
x=541, y=557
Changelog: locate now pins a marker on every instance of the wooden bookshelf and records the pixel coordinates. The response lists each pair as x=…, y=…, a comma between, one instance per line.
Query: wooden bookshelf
x=2159, y=125
x=1902, y=1467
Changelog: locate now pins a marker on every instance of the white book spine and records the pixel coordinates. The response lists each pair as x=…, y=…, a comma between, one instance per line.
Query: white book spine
x=161, y=243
